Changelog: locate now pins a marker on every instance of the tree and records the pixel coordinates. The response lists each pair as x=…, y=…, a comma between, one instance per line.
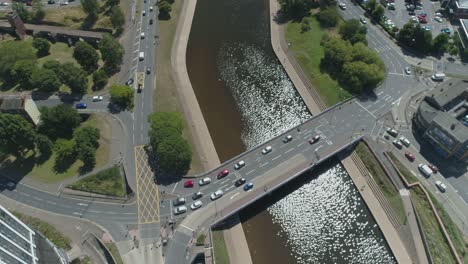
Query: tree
x=87, y=154
x=112, y=52
x=422, y=40
x=90, y=7
x=38, y=13
x=100, y=79
x=11, y=52
x=86, y=56
x=45, y=80
x=65, y=151
x=353, y=31
x=163, y=125
x=360, y=76
x=16, y=134
x=295, y=9
x=378, y=12
x=22, y=72
x=74, y=77
x=371, y=5
x=305, y=26
x=440, y=44
x=44, y=145
x=164, y=10
x=21, y=10
x=52, y=65
x=86, y=136
x=337, y=53
x=112, y=2
x=328, y=17
x=174, y=155
x=117, y=17
x=42, y=45
x=59, y=121
x=453, y=51
x=122, y=95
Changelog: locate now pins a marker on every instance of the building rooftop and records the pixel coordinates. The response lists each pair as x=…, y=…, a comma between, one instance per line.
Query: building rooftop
x=463, y=3
x=445, y=94
x=452, y=126
x=11, y=103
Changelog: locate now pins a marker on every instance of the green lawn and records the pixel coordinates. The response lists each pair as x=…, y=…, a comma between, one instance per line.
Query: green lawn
x=219, y=247
x=58, y=51
x=115, y=252
x=73, y=17
x=308, y=52
x=107, y=182
x=410, y=178
x=390, y=192
x=46, y=229
x=165, y=98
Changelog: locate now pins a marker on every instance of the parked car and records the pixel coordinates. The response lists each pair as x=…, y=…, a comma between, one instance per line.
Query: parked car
x=97, y=98
x=144, y=13
x=427, y=28
x=196, y=205
x=51, y=2
x=422, y=14
x=392, y=132
x=223, y=174
x=433, y=167
x=315, y=139
x=148, y=70
x=287, y=138
x=342, y=5
x=266, y=150
x=180, y=210
x=197, y=195
x=414, y=19
x=397, y=144
x=151, y=21
x=204, y=181
x=405, y=141
x=422, y=20
x=239, y=182
x=129, y=82
x=64, y=3
x=29, y=3
x=363, y=20
x=445, y=30
x=442, y=187
x=188, y=184
x=408, y=70
x=239, y=164
x=11, y=185
x=179, y=201
x=216, y=195
x=438, y=19
x=248, y=186
x=81, y=106
x=410, y=156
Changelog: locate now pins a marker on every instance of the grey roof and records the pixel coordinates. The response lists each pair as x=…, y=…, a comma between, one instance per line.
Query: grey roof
x=446, y=93
x=463, y=3
x=427, y=112
x=452, y=126
x=11, y=103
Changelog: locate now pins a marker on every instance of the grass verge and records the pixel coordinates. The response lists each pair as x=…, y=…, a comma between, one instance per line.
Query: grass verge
x=308, y=53
x=410, y=178
x=115, y=252
x=73, y=17
x=84, y=260
x=201, y=240
x=390, y=192
x=219, y=247
x=46, y=229
x=165, y=97
x=107, y=182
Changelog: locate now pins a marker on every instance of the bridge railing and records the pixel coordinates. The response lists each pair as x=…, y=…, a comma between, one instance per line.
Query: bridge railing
x=258, y=146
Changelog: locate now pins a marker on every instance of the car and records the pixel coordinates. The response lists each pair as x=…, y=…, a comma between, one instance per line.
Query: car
x=405, y=141
x=414, y=19
x=144, y=13
x=427, y=28
x=287, y=138
x=266, y=150
x=81, y=106
x=51, y=2
x=10, y=185
x=196, y=205
x=397, y=144
x=142, y=35
x=422, y=20
x=239, y=164
x=422, y=14
x=188, y=184
x=204, y=181
x=180, y=210
x=216, y=195
x=223, y=174
x=410, y=156
x=408, y=70
x=342, y=5
x=140, y=88
x=445, y=30
x=438, y=19
x=391, y=6
x=130, y=81
x=438, y=14
x=248, y=186
x=239, y=182
x=64, y=3
x=179, y=201
x=433, y=168
x=442, y=187
x=97, y=98
x=197, y=195
x=418, y=7
x=392, y=132
x=363, y=20
x=148, y=70
x=3, y=4
x=314, y=139
x=151, y=21
x=151, y=9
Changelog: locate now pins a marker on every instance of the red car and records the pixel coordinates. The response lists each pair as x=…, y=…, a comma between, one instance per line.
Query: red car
x=410, y=156
x=433, y=168
x=29, y=3
x=188, y=184
x=314, y=139
x=223, y=174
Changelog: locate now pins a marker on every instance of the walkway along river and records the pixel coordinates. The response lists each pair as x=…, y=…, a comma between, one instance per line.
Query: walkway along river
x=247, y=98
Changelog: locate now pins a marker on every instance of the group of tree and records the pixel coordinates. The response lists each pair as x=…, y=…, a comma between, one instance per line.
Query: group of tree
x=92, y=9
x=356, y=67
x=165, y=8
x=353, y=31
x=112, y=53
x=87, y=56
x=328, y=16
x=415, y=37
x=42, y=46
x=375, y=10
x=122, y=96
x=36, y=15
x=173, y=152
x=12, y=52
x=298, y=9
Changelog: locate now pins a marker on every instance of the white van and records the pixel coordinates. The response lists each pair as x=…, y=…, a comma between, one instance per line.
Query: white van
x=405, y=141
x=425, y=170
x=438, y=77
x=142, y=56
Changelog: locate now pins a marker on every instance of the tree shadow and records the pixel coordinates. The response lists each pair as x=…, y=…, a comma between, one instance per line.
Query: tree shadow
x=164, y=16
x=161, y=177
x=86, y=168
x=61, y=165
x=7, y=85
x=18, y=168
x=89, y=22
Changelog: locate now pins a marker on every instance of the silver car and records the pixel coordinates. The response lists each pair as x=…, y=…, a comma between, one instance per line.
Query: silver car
x=216, y=195
x=180, y=210
x=196, y=205
x=204, y=181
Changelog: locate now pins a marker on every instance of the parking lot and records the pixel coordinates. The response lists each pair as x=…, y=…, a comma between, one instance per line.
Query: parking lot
x=400, y=16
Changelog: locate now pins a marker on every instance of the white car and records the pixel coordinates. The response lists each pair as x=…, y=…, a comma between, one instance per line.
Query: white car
x=405, y=141
x=342, y=5
x=142, y=35
x=266, y=150
x=180, y=210
x=196, y=205
x=287, y=138
x=97, y=98
x=363, y=20
x=414, y=19
x=408, y=70
x=216, y=195
x=441, y=186
x=438, y=19
x=239, y=165
x=204, y=181
x=63, y=3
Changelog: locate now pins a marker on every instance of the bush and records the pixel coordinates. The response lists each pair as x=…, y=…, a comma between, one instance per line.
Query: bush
x=100, y=79
x=107, y=182
x=122, y=96
x=328, y=17
x=42, y=45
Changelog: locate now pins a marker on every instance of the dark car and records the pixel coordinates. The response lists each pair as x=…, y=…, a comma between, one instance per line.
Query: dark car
x=197, y=195
x=410, y=156
x=51, y=2
x=81, y=106
x=239, y=182
x=314, y=139
x=151, y=22
x=140, y=88
x=433, y=168
x=148, y=70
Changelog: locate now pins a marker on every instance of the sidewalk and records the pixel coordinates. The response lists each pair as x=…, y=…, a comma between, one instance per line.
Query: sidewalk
x=235, y=240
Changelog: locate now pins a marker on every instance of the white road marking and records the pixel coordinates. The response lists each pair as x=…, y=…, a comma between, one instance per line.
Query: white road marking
x=276, y=157
x=261, y=165
x=234, y=195
x=300, y=144
x=187, y=228
x=222, y=187
x=223, y=182
x=318, y=148
x=92, y=211
x=76, y=213
x=397, y=102
x=228, y=188
x=249, y=172
x=289, y=150
x=82, y=204
x=173, y=189
x=365, y=109
x=380, y=93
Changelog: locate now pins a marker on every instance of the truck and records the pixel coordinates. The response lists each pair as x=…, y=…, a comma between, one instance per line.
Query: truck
x=140, y=80
x=425, y=170
x=438, y=77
